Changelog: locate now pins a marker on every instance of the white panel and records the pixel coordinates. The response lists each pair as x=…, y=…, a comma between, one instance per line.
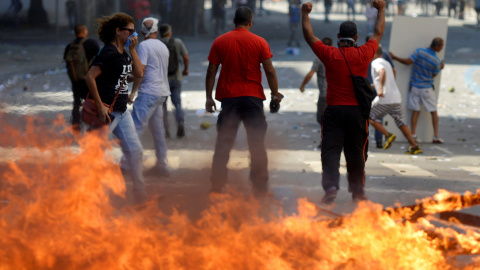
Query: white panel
x=406, y=36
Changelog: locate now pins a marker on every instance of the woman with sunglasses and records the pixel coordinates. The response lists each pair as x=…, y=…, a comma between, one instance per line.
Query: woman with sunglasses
x=109, y=71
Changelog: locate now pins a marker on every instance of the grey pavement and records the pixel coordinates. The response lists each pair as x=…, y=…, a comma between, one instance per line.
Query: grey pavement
x=33, y=81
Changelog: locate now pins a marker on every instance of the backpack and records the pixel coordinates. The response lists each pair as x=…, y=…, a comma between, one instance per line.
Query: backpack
x=173, y=63
x=76, y=59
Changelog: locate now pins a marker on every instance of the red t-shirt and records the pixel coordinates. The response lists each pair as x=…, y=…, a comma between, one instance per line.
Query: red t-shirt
x=240, y=53
x=340, y=86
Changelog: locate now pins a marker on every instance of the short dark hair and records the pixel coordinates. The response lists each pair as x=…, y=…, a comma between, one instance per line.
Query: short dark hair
x=243, y=16
x=79, y=29
x=327, y=41
x=165, y=29
x=436, y=42
x=348, y=29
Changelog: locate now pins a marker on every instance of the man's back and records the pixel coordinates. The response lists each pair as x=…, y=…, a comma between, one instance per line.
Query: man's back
x=390, y=88
x=154, y=55
x=426, y=65
x=240, y=53
x=340, y=86
x=181, y=50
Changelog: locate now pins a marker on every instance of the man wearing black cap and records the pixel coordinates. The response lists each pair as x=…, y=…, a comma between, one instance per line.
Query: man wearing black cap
x=344, y=127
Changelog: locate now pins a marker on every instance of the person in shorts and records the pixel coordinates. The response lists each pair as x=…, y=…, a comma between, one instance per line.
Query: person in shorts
x=388, y=101
x=426, y=65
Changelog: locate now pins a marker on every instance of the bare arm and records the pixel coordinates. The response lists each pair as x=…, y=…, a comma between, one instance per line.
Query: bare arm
x=93, y=73
x=186, y=60
x=310, y=38
x=380, y=23
x=136, y=84
x=382, y=78
x=209, y=83
x=271, y=77
x=405, y=61
x=394, y=73
x=307, y=78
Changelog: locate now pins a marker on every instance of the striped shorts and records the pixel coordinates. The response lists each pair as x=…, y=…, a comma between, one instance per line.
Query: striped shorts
x=395, y=110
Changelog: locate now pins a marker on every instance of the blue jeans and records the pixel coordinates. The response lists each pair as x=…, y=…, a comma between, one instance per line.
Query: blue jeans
x=176, y=91
x=124, y=129
x=148, y=109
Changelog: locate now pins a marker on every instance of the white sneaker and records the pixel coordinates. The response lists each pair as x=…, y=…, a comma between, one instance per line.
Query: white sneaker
x=437, y=140
x=417, y=140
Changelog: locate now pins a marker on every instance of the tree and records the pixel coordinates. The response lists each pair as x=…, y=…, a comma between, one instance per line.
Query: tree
x=37, y=15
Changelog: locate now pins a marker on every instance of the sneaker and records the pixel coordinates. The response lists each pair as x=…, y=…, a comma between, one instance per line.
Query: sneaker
x=330, y=195
x=379, y=145
x=389, y=140
x=437, y=140
x=417, y=140
x=180, y=131
x=157, y=172
x=414, y=150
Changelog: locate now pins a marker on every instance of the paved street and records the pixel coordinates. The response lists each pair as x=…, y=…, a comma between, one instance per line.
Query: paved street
x=33, y=82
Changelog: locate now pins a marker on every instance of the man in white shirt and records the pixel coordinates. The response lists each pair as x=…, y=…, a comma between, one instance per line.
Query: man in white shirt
x=388, y=101
x=153, y=89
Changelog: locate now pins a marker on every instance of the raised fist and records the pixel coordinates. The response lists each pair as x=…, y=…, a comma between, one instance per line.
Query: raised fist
x=378, y=4
x=307, y=8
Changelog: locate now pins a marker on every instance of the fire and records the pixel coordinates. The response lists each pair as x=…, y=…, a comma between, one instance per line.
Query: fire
x=56, y=213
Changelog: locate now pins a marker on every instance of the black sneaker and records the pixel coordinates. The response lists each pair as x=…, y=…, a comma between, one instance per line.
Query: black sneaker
x=359, y=196
x=379, y=145
x=180, y=131
x=330, y=195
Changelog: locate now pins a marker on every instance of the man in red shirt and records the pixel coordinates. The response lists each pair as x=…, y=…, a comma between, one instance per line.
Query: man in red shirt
x=343, y=123
x=240, y=91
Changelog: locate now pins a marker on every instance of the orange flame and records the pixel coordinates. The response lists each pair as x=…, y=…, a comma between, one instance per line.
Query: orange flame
x=56, y=214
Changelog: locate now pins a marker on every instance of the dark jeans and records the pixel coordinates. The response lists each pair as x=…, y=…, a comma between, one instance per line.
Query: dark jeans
x=80, y=91
x=176, y=91
x=344, y=128
x=248, y=110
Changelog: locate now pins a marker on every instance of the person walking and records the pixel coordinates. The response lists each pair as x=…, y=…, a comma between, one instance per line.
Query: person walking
x=71, y=10
x=344, y=126
x=388, y=101
x=104, y=78
x=239, y=89
x=153, y=90
x=319, y=68
x=78, y=55
x=426, y=65
x=177, y=51
x=294, y=20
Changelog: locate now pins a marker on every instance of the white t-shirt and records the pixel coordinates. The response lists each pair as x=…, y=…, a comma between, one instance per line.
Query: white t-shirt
x=154, y=56
x=390, y=89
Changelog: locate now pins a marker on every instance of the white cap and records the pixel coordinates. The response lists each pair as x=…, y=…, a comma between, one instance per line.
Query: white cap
x=154, y=28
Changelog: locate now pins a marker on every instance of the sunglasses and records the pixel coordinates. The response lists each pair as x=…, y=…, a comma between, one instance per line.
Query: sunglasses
x=128, y=29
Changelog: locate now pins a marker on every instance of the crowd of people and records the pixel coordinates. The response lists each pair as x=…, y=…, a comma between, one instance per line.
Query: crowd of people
x=155, y=67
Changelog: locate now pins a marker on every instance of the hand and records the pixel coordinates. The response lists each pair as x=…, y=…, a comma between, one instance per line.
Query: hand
x=185, y=72
x=379, y=4
x=131, y=98
x=103, y=114
x=307, y=8
x=133, y=42
x=442, y=65
x=380, y=93
x=277, y=96
x=210, y=105
x=393, y=56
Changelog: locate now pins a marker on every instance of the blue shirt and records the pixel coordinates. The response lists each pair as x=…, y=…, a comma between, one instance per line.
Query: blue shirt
x=426, y=64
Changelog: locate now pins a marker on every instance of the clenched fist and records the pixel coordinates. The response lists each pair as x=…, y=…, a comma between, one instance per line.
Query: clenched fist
x=378, y=4
x=307, y=8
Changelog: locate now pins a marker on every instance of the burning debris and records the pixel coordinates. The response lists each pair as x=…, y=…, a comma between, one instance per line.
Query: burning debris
x=56, y=213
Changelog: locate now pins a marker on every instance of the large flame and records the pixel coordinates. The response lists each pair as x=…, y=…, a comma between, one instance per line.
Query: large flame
x=56, y=213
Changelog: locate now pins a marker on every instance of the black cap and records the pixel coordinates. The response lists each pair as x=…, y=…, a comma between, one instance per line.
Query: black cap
x=348, y=29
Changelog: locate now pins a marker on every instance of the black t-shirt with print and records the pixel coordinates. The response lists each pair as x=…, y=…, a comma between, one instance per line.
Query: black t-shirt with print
x=115, y=66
